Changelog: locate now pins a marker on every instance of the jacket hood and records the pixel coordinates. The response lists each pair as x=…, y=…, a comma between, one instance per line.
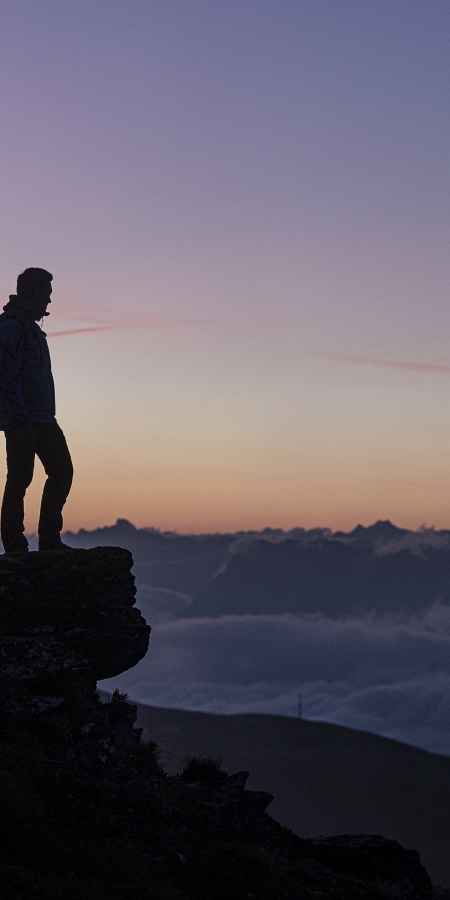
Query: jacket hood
x=15, y=305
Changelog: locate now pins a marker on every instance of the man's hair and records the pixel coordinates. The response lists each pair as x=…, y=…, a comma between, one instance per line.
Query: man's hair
x=29, y=280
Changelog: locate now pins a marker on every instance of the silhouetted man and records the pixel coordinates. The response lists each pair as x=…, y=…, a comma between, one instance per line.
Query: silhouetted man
x=27, y=416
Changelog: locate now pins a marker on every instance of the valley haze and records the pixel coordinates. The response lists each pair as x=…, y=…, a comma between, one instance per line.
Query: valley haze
x=358, y=623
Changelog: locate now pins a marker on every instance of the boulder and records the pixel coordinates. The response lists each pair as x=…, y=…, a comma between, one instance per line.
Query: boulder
x=69, y=614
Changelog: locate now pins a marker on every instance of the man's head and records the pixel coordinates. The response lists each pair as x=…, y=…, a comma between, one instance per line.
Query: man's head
x=33, y=291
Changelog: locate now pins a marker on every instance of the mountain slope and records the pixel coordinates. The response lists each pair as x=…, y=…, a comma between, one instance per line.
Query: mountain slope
x=325, y=779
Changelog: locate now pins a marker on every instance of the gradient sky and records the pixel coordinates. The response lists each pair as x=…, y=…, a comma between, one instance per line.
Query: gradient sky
x=246, y=206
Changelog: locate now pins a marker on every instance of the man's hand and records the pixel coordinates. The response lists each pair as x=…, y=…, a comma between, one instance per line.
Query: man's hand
x=25, y=434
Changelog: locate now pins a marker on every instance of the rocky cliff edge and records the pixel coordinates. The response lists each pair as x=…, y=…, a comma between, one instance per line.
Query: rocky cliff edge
x=86, y=813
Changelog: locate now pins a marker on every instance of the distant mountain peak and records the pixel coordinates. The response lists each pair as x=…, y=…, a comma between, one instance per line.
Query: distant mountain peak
x=381, y=528
x=124, y=524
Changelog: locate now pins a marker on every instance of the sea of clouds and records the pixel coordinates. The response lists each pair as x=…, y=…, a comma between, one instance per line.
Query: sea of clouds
x=391, y=677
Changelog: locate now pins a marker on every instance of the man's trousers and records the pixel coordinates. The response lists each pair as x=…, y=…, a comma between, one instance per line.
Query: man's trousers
x=51, y=448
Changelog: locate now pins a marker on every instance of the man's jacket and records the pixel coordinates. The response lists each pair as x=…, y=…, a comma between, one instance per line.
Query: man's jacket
x=27, y=390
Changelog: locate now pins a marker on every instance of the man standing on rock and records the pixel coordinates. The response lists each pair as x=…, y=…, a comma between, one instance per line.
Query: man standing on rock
x=27, y=416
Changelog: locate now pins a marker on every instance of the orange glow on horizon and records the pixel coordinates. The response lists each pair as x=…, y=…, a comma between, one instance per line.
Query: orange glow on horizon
x=197, y=502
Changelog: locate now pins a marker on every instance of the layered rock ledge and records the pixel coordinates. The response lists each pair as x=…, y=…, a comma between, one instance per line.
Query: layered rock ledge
x=63, y=616
x=86, y=813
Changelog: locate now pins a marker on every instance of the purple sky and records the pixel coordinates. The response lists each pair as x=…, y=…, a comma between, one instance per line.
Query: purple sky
x=255, y=195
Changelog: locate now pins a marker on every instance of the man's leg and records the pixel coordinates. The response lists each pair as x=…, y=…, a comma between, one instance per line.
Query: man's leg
x=52, y=450
x=20, y=465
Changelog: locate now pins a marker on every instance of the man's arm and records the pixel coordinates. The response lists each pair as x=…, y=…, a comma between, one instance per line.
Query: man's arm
x=11, y=353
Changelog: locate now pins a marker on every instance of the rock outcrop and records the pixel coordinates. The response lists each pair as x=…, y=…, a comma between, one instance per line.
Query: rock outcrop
x=69, y=614
x=86, y=813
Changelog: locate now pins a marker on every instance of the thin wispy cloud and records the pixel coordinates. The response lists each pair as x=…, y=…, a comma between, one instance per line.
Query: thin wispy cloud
x=84, y=330
x=128, y=326
x=386, y=363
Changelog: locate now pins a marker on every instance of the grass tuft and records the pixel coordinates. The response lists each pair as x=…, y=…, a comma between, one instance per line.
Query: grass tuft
x=118, y=697
x=146, y=758
x=203, y=768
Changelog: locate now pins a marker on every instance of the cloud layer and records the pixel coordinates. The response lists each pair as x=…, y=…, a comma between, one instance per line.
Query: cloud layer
x=389, y=677
x=160, y=604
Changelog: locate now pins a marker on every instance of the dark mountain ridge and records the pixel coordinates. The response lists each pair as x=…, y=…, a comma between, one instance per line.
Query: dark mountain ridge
x=382, y=569
x=330, y=577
